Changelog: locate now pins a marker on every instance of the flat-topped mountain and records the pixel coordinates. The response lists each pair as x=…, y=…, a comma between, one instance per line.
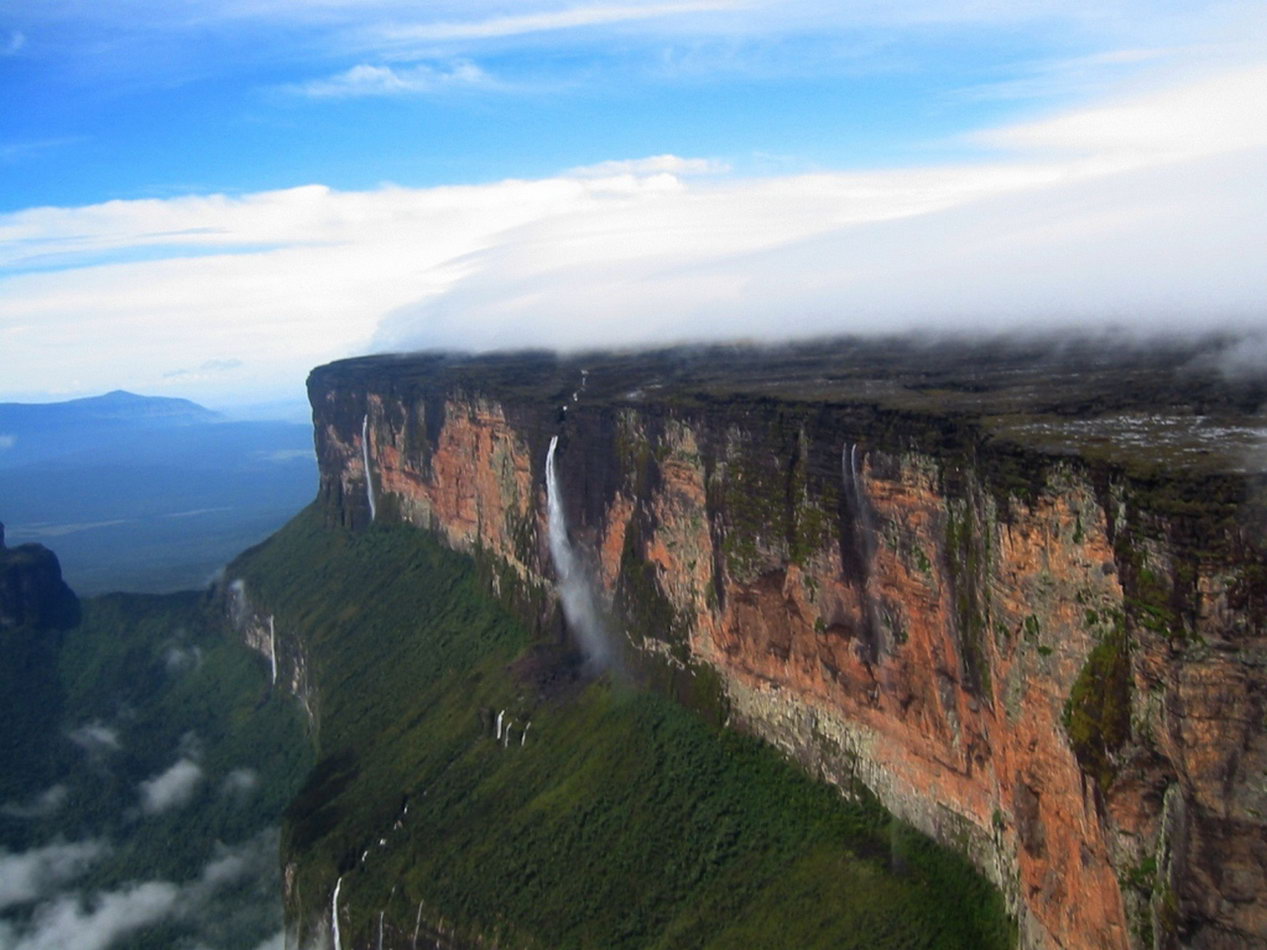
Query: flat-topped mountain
x=1016, y=589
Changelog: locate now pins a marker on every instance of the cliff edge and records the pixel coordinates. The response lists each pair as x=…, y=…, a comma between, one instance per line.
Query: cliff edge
x=1017, y=590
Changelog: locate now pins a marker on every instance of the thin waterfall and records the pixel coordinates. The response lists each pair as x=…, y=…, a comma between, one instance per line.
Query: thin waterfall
x=272, y=646
x=334, y=914
x=417, y=926
x=574, y=590
x=523, y=736
x=864, y=545
x=380, y=930
x=500, y=716
x=854, y=487
x=365, y=453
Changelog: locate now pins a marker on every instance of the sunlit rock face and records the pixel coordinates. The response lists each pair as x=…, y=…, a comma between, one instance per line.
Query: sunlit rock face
x=930, y=573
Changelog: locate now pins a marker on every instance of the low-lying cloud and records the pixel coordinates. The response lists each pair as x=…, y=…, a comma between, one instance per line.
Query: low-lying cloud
x=234, y=894
x=172, y=788
x=240, y=782
x=72, y=922
x=35, y=874
x=42, y=805
x=95, y=738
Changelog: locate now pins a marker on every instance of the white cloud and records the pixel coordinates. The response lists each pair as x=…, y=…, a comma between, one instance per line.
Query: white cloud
x=568, y=18
x=240, y=782
x=369, y=80
x=1211, y=115
x=235, y=893
x=37, y=873
x=8, y=441
x=170, y=789
x=71, y=922
x=45, y=803
x=1140, y=209
x=652, y=165
x=95, y=738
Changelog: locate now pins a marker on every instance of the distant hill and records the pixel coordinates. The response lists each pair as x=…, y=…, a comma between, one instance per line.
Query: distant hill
x=31, y=432
x=146, y=493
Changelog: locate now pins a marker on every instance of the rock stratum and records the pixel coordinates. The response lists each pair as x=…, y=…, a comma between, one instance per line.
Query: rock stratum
x=1017, y=590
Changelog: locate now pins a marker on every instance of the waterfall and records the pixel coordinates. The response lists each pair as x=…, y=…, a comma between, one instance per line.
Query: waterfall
x=523, y=736
x=272, y=646
x=574, y=591
x=500, y=716
x=417, y=926
x=853, y=486
x=365, y=452
x=506, y=738
x=334, y=914
x=865, y=545
x=380, y=930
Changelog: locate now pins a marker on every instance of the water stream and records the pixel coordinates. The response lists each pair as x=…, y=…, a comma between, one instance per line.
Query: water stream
x=272, y=646
x=334, y=914
x=579, y=608
x=365, y=453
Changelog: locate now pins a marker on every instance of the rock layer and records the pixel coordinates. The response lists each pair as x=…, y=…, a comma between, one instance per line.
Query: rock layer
x=1040, y=655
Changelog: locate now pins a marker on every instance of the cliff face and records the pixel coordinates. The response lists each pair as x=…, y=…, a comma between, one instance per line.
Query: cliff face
x=1034, y=647
x=32, y=592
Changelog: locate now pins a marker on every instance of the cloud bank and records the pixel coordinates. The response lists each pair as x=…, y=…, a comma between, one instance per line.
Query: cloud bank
x=1143, y=211
x=234, y=893
x=35, y=874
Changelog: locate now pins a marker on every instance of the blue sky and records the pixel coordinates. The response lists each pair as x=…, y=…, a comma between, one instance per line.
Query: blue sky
x=205, y=197
x=126, y=100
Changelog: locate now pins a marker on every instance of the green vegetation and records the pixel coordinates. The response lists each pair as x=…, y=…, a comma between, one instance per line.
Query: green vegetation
x=623, y=820
x=158, y=680
x=640, y=600
x=967, y=552
x=1097, y=716
x=763, y=491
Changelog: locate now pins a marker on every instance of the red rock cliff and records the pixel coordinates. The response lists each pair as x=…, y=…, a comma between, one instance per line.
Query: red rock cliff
x=1028, y=652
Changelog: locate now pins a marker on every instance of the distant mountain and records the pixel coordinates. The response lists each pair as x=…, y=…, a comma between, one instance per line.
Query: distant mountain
x=146, y=493
x=31, y=432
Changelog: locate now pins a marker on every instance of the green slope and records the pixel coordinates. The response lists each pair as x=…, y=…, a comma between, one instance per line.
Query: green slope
x=624, y=820
x=143, y=683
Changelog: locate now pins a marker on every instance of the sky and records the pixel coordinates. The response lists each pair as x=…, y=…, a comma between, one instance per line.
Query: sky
x=206, y=198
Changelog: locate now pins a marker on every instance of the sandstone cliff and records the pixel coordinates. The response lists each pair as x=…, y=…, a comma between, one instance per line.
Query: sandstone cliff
x=1018, y=595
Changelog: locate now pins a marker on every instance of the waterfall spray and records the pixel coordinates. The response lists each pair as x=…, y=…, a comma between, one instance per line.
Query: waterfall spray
x=365, y=453
x=574, y=591
x=334, y=914
x=272, y=646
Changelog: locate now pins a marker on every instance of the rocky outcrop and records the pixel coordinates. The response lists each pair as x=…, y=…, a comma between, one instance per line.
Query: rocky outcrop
x=32, y=592
x=1027, y=640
